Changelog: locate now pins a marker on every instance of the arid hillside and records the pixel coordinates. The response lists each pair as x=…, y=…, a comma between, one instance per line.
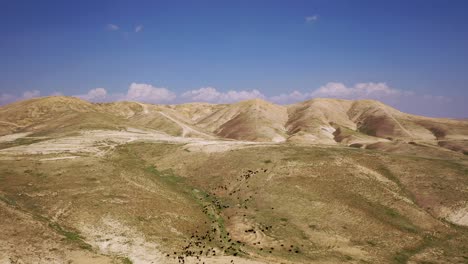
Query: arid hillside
x=362, y=123
x=322, y=181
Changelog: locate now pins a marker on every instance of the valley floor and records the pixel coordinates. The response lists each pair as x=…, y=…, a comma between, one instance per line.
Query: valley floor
x=140, y=196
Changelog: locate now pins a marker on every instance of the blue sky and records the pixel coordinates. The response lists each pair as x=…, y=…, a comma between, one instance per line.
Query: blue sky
x=410, y=54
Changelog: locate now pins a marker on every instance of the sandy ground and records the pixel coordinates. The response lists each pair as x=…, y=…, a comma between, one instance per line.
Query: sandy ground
x=101, y=141
x=114, y=238
x=10, y=124
x=457, y=215
x=27, y=240
x=13, y=137
x=60, y=158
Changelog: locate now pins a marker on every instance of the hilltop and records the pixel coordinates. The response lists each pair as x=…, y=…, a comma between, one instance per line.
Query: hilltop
x=360, y=123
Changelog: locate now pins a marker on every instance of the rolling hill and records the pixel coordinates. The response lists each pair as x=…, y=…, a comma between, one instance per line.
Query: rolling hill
x=321, y=181
x=360, y=123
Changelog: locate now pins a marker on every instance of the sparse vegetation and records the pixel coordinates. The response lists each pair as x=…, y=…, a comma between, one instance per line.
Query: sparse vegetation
x=7, y=200
x=126, y=261
x=70, y=235
x=283, y=202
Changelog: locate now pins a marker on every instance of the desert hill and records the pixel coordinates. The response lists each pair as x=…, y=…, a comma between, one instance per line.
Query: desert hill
x=320, y=181
x=360, y=123
x=253, y=120
x=68, y=114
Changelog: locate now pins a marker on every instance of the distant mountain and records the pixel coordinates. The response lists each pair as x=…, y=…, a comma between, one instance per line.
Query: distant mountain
x=360, y=123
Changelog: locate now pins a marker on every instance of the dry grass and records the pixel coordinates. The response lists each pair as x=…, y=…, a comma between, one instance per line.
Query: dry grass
x=140, y=195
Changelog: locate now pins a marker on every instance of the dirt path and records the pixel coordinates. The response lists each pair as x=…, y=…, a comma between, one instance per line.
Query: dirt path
x=13, y=137
x=185, y=129
x=145, y=108
x=398, y=123
x=11, y=124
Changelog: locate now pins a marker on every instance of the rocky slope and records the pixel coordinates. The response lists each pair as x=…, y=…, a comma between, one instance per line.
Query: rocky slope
x=360, y=123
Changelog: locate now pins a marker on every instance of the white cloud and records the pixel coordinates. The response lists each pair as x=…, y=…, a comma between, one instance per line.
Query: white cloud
x=210, y=94
x=148, y=93
x=406, y=101
x=112, y=27
x=97, y=94
x=56, y=94
x=292, y=97
x=140, y=92
x=205, y=94
x=311, y=19
x=30, y=94
x=138, y=28
x=370, y=90
x=6, y=98
x=358, y=91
